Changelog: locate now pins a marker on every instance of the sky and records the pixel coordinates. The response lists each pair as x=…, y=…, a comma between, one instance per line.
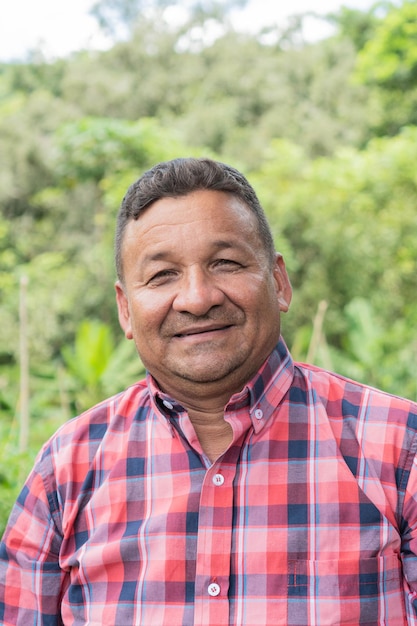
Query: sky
x=60, y=27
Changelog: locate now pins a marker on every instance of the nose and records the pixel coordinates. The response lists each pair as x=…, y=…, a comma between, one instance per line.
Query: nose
x=197, y=293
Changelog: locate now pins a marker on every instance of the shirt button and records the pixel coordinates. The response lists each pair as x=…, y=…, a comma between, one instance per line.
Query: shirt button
x=213, y=589
x=168, y=404
x=259, y=414
x=218, y=480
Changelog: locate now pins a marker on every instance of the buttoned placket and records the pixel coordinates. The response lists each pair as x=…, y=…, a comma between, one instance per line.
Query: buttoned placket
x=215, y=521
x=214, y=545
x=215, y=529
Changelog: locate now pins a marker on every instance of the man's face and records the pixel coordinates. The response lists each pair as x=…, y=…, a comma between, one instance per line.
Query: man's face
x=199, y=295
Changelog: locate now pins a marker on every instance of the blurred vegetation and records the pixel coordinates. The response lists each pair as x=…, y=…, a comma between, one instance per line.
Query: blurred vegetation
x=326, y=131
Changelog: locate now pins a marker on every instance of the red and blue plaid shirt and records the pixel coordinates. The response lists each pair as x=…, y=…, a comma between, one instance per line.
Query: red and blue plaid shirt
x=309, y=517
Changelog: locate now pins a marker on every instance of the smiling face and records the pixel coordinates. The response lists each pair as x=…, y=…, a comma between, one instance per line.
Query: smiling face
x=200, y=296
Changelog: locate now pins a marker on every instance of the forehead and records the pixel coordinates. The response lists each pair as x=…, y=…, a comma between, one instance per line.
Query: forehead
x=199, y=214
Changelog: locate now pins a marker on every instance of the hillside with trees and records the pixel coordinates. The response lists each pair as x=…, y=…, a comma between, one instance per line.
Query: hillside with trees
x=325, y=130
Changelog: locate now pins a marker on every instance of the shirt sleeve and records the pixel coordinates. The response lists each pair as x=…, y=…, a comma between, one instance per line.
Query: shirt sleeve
x=31, y=580
x=409, y=538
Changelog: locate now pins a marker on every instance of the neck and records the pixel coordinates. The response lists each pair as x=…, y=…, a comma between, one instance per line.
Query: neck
x=213, y=432
x=204, y=403
x=202, y=397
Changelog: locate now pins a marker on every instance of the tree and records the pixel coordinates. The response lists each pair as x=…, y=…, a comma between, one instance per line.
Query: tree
x=389, y=58
x=355, y=25
x=388, y=64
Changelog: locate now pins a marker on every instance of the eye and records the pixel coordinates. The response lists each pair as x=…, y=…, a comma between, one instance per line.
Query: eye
x=227, y=264
x=161, y=277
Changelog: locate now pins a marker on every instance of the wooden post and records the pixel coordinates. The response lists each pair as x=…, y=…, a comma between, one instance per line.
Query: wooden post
x=317, y=336
x=24, y=366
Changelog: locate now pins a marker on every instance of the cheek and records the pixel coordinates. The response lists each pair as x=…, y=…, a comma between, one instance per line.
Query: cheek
x=147, y=315
x=267, y=307
x=259, y=299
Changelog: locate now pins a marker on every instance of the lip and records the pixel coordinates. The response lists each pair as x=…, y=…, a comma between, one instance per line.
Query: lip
x=197, y=331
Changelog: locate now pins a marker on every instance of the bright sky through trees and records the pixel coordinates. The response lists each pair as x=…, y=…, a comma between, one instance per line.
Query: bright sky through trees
x=59, y=28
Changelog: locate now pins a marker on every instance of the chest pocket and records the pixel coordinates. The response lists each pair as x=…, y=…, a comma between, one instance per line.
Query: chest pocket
x=347, y=591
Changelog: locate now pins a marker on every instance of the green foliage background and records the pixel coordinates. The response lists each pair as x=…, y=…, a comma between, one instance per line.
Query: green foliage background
x=326, y=131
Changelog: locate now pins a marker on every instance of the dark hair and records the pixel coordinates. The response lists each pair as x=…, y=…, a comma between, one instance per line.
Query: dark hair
x=180, y=177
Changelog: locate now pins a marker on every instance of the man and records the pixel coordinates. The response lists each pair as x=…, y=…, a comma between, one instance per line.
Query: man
x=232, y=486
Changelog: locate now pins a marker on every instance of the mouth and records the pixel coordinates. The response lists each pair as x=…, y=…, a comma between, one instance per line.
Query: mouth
x=202, y=331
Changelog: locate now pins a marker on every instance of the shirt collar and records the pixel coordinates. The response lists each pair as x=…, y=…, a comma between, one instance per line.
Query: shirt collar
x=262, y=394
x=269, y=386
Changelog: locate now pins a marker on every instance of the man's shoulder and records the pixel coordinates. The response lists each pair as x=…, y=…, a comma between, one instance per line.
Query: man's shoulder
x=352, y=396
x=115, y=413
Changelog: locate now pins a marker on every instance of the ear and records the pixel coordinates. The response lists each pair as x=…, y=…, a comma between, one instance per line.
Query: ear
x=123, y=310
x=283, y=285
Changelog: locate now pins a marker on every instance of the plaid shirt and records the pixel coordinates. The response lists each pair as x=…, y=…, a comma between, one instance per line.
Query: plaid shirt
x=310, y=517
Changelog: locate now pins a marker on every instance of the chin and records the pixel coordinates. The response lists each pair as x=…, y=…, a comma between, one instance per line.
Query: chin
x=215, y=373
x=202, y=377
